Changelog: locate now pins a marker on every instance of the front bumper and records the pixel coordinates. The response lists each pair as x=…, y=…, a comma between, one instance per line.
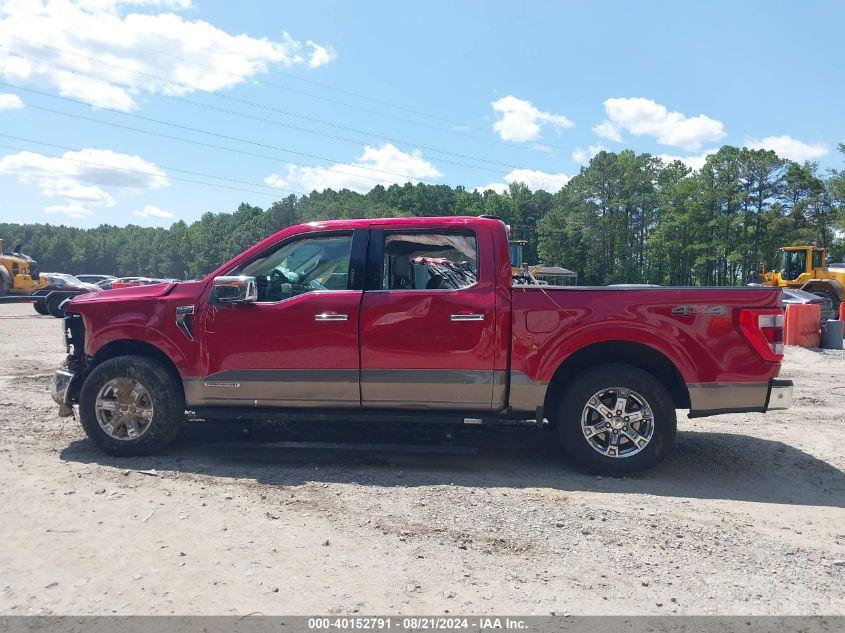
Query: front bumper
x=60, y=390
x=715, y=398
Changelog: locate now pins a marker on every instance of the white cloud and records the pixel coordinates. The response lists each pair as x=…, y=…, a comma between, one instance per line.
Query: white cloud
x=534, y=179
x=694, y=162
x=520, y=120
x=583, y=156
x=150, y=211
x=320, y=55
x=368, y=171
x=9, y=101
x=607, y=130
x=42, y=38
x=72, y=210
x=80, y=177
x=641, y=116
x=787, y=147
x=113, y=5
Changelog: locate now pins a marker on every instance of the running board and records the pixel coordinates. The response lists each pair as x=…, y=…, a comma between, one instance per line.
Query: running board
x=357, y=416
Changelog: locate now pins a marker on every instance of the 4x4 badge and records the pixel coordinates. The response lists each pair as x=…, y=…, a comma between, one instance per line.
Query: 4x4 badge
x=694, y=310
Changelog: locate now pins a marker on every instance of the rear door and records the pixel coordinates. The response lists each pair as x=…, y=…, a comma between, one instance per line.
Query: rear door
x=428, y=323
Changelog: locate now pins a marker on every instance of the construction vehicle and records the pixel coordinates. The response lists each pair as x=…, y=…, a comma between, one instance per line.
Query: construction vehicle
x=805, y=268
x=20, y=282
x=519, y=269
x=18, y=273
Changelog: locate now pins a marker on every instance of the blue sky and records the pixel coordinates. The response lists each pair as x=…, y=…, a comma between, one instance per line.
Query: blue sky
x=349, y=94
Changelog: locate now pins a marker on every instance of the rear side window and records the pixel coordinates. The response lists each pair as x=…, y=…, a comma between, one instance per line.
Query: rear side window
x=429, y=261
x=817, y=259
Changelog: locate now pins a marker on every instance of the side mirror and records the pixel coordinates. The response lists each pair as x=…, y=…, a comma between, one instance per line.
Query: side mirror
x=235, y=289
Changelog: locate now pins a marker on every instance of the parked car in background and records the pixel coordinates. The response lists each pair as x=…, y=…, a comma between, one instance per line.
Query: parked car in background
x=791, y=296
x=128, y=282
x=94, y=279
x=60, y=287
x=64, y=281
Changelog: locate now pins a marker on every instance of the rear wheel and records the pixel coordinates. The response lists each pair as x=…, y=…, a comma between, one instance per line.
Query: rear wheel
x=834, y=301
x=40, y=307
x=54, y=306
x=131, y=405
x=616, y=420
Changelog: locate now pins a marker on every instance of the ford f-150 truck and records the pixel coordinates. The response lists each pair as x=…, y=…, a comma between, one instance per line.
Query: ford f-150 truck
x=417, y=318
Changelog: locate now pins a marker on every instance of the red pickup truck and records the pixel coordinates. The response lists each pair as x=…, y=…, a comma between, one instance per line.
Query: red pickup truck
x=417, y=318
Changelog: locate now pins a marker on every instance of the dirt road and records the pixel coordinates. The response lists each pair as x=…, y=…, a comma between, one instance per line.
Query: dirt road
x=745, y=518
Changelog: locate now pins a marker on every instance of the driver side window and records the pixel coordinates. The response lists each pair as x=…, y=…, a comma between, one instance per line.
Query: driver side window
x=304, y=265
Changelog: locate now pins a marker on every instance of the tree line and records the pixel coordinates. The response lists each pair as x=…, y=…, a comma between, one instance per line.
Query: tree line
x=625, y=218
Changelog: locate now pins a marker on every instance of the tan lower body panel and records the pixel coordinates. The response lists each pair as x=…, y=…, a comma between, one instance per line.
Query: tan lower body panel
x=309, y=388
x=419, y=389
x=726, y=396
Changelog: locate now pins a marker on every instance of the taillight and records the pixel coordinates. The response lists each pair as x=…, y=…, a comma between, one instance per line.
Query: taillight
x=764, y=330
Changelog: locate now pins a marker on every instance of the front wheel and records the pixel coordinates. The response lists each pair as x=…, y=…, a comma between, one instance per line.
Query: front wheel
x=40, y=307
x=131, y=405
x=616, y=420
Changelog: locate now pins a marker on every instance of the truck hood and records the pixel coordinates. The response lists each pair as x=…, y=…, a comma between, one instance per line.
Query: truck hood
x=134, y=292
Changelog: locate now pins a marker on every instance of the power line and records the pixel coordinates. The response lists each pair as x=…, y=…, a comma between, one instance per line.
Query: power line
x=137, y=171
x=264, y=106
x=215, y=134
x=221, y=147
x=350, y=105
x=164, y=167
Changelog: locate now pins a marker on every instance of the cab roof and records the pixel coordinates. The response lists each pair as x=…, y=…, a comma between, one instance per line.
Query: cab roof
x=413, y=222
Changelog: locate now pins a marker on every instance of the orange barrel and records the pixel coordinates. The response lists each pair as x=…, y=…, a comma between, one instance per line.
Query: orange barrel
x=802, y=324
x=842, y=311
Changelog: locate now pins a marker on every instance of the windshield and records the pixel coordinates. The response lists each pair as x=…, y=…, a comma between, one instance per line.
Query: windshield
x=793, y=264
x=70, y=280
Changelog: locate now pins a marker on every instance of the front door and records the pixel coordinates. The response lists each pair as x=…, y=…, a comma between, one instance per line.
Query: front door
x=297, y=346
x=427, y=323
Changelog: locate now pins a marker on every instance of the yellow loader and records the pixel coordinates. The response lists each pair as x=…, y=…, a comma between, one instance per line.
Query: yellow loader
x=18, y=273
x=805, y=268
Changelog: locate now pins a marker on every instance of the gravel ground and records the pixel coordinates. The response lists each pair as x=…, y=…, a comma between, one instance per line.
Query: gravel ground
x=746, y=517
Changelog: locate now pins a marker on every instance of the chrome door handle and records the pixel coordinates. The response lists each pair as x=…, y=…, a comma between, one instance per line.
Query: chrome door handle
x=331, y=316
x=467, y=317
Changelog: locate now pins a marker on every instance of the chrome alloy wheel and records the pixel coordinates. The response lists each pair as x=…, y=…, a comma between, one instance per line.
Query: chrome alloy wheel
x=617, y=422
x=124, y=408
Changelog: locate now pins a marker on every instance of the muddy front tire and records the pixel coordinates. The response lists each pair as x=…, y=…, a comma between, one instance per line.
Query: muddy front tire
x=616, y=420
x=131, y=405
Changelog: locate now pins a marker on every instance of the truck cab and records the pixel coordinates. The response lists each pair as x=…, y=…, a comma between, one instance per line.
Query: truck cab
x=416, y=318
x=800, y=264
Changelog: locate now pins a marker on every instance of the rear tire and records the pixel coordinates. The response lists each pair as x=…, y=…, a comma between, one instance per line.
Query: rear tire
x=40, y=308
x=611, y=445
x=116, y=397
x=834, y=301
